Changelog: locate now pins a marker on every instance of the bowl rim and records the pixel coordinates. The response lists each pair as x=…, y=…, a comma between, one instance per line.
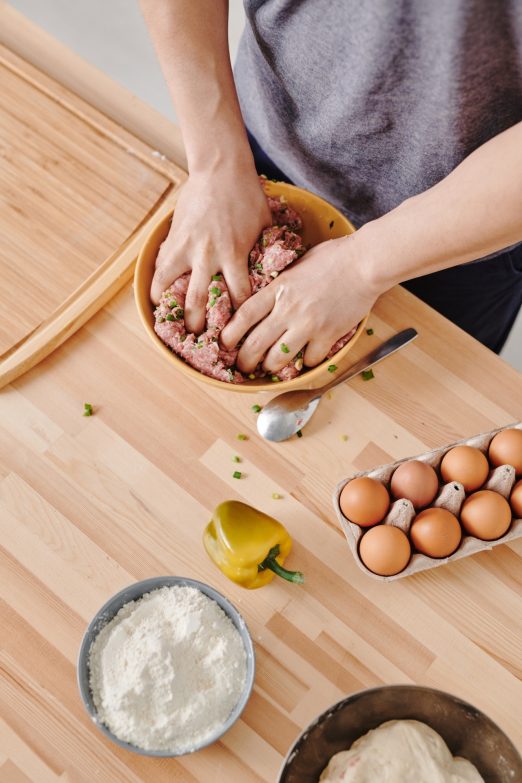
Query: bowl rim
x=357, y=694
x=312, y=375
x=111, y=608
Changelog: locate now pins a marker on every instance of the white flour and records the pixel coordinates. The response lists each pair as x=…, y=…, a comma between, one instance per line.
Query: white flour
x=167, y=670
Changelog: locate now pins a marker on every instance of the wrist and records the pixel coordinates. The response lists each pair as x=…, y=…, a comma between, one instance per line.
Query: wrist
x=385, y=250
x=368, y=256
x=226, y=147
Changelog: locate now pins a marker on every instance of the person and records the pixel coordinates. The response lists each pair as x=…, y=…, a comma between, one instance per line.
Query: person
x=405, y=114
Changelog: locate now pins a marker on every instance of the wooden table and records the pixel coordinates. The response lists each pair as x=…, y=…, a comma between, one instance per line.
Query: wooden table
x=88, y=505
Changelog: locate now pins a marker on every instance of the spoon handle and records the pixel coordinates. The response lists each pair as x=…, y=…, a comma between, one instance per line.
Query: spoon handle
x=385, y=349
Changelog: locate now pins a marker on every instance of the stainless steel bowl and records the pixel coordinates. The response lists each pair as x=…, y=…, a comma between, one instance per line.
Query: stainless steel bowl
x=466, y=731
x=132, y=593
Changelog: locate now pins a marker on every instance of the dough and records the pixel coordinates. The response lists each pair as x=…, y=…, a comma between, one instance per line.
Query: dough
x=399, y=751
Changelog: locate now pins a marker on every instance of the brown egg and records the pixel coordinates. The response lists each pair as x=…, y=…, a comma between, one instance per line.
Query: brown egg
x=364, y=501
x=415, y=481
x=465, y=464
x=385, y=550
x=506, y=449
x=435, y=532
x=516, y=500
x=485, y=515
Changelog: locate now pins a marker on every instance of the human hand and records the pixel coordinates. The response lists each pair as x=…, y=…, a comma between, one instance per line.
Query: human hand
x=217, y=220
x=313, y=303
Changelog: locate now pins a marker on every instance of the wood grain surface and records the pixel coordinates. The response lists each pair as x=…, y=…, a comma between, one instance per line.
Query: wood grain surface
x=89, y=505
x=74, y=187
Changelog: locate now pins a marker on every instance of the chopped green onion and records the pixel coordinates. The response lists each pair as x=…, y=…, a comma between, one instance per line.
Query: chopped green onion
x=235, y=458
x=199, y=345
x=87, y=409
x=276, y=496
x=299, y=355
x=236, y=474
x=216, y=291
x=369, y=331
x=173, y=303
x=216, y=277
x=241, y=436
x=274, y=379
x=160, y=319
x=285, y=348
x=367, y=375
x=257, y=408
x=344, y=437
x=299, y=434
x=169, y=317
x=212, y=302
x=180, y=314
x=252, y=376
x=332, y=367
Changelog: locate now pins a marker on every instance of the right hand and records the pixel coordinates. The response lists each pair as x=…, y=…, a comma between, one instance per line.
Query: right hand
x=217, y=219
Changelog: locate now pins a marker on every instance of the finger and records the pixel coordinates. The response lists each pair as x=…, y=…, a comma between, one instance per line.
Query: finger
x=238, y=284
x=196, y=300
x=258, y=342
x=248, y=315
x=167, y=270
x=317, y=350
x=285, y=350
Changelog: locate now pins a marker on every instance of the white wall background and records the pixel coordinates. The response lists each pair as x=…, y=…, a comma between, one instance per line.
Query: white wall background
x=111, y=34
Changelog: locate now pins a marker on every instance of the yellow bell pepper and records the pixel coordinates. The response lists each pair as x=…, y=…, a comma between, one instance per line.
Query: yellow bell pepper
x=247, y=545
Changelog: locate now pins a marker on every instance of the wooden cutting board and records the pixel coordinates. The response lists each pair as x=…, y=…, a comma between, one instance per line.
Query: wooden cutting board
x=75, y=192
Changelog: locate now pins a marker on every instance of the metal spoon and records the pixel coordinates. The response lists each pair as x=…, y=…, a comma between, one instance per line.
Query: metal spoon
x=287, y=413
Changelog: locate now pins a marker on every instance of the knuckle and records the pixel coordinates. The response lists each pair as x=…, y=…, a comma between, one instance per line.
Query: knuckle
x=254, y=344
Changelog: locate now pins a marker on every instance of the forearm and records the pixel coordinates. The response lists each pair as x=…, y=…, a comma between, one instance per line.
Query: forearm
x=474, y=211
x=191, y=40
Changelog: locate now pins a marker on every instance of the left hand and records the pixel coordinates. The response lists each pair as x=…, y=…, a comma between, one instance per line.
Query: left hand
x=313, y=303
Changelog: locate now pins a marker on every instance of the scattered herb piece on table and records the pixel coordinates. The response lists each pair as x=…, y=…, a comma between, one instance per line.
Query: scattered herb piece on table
x=367, y=375
x=257, y=408
x=242, y=436
x=276, y=496
x=235, y=458
x=299, y=434
x=369, y=331
x=237, y=474
x=332, y=367
x=87, y=409
x=344, y=437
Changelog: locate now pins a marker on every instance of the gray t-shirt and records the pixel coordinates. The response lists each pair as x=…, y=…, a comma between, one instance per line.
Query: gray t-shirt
x=368, y=102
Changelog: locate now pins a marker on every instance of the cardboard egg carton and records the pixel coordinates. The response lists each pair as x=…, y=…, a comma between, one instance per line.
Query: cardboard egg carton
x=450, y=496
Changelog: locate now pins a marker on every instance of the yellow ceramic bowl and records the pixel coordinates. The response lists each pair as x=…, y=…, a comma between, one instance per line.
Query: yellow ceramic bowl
x=321, y=221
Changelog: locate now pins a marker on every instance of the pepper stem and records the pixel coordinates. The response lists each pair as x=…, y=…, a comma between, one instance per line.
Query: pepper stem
x=270, y=562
